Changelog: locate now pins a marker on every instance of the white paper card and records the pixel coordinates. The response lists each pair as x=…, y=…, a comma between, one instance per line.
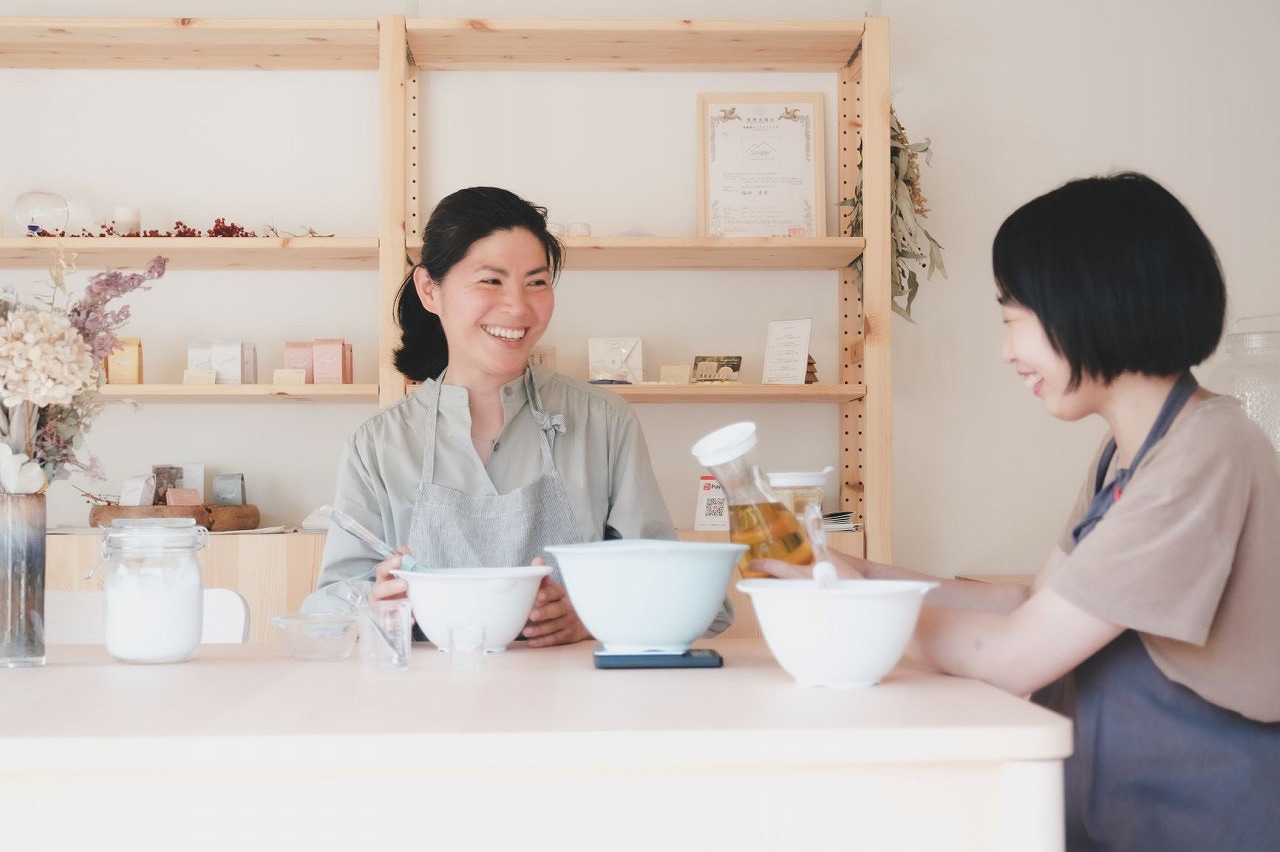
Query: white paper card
x=786, y=352
x=713, y=506
x=615, y=359
x=193, y=477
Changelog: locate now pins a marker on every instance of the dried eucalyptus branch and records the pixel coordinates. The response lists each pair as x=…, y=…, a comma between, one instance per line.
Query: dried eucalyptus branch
x=915, y=250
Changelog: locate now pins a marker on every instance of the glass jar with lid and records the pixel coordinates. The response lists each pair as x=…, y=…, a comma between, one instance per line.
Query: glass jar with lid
x=153, y=590
x=797, y=489
x=757, y=518
x=1251, y=373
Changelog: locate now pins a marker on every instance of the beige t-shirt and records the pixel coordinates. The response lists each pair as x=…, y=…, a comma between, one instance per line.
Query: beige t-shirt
x=1190, y=558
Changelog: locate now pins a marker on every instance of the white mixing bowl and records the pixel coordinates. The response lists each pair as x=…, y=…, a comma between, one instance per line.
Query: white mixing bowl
x=497, y=598
x=849, y=635
x=647, y=595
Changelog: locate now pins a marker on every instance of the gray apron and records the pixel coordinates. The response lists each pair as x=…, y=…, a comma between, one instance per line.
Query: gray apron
x=451, y=529
x=1155, y=766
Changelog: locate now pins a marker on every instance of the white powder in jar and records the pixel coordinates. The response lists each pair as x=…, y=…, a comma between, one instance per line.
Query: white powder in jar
x=154, y=612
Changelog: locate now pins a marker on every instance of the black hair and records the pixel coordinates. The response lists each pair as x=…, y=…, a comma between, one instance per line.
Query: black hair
x=457, y=223
x=1119, y=274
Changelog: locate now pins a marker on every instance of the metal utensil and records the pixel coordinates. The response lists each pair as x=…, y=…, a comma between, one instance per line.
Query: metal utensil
x=351, y=525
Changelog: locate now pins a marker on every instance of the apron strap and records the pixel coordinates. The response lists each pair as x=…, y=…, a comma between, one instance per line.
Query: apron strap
x=1106, y=494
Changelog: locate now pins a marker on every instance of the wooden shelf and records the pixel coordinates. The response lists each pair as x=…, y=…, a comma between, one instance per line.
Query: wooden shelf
x=480, y=45
x=737, y=394
x=704, y=252
x=250, y=253
x=239, y=393
x=188, y=43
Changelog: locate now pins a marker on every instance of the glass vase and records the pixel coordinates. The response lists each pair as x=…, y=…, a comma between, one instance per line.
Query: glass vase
x=22, y=530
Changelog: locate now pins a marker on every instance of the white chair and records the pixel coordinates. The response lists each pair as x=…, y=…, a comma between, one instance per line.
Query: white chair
x=79, y=618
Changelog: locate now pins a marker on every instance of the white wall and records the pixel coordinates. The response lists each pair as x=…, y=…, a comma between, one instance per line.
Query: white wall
x=1017, y=97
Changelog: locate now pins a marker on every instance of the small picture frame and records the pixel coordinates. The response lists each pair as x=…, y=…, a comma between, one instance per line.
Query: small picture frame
x=716, y=368
x=762, y=165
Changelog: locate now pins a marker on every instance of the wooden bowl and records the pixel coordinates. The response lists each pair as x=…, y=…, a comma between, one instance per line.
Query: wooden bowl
x=212, y=518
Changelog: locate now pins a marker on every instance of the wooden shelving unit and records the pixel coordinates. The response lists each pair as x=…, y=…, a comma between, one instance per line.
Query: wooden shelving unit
x=225, y=253
x=704, y=252
x=240, y=393
x=856, y=52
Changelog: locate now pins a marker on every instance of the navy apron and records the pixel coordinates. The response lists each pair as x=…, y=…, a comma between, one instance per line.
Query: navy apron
x=1155, y=766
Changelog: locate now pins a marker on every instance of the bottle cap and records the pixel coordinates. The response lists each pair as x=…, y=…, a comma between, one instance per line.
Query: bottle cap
x=798, y=479
x=725, y=444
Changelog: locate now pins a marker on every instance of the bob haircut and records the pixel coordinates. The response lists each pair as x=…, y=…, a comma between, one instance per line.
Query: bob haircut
x=458, y=222
x=1119, y=274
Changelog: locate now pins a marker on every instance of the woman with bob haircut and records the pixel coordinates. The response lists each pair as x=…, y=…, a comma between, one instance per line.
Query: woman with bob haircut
x=1154, y=623
x=488, y=460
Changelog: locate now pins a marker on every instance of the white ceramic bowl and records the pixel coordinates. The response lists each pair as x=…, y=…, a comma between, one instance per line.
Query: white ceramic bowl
x=849, y=635
x=497, y=598
x=318, y=635
x=647, y=595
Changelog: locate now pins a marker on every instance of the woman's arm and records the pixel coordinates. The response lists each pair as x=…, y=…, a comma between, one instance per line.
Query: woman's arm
x=1019, y=651
x=953, y=594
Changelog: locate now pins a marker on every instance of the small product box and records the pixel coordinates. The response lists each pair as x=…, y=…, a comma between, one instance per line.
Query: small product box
x=124, y=366
x=182, y=497
x=347, y=363
x=193, y=477
x=297, y=356
x=288, y=377
x=199, y=377
x=327, y=359
x=167, y=476
x=228, y=361
x=138, y=491
x=200, y=355
x=248, y=364
x=228, y=489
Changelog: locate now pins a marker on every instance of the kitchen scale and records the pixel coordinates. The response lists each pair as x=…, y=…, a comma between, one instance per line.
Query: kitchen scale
x=694, y=658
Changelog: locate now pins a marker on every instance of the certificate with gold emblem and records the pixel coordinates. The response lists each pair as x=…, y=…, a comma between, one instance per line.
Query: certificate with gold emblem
x=762, y=165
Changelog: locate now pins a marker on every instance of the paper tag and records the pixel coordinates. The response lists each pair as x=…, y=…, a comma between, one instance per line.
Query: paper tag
x=713, y=506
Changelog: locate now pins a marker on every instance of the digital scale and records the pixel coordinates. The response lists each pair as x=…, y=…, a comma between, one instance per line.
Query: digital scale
x=694, y=658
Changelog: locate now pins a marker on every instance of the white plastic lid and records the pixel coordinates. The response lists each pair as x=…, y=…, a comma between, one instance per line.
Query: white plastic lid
x=725, y=444
x=1254, y=341
x=798, y=479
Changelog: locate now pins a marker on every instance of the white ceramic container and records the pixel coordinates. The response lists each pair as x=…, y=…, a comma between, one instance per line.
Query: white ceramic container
x=497, y=598
x=647, y=595
x=849, y=635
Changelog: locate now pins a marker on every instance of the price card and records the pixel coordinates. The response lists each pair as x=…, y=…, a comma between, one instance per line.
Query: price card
x=786, y=352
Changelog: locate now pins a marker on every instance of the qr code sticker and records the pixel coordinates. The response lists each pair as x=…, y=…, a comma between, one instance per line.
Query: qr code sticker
x=715, y=507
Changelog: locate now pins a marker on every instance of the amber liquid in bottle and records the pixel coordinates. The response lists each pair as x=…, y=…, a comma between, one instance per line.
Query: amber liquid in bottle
x=769, y=531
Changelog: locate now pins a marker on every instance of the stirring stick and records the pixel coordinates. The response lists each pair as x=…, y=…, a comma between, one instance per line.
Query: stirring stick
x=824, y=571
x=351, y=525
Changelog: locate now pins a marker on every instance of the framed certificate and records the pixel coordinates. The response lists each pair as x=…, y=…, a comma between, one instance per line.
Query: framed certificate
x=761, y=169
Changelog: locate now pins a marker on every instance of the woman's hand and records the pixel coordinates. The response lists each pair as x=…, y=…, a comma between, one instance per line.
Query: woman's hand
x=553, y=620
x=385, y=586
x=847, y=567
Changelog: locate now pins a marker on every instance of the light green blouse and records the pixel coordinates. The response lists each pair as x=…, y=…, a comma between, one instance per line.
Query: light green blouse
x=601, y=456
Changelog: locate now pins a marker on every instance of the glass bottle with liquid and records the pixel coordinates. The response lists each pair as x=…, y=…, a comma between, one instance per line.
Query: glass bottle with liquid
x=757, y=518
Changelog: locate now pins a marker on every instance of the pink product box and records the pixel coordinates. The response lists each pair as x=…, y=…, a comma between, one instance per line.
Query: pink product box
x=298, y=356
x=331, y=358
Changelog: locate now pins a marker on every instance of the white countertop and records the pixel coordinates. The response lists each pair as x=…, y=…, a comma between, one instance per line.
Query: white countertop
x=246, y=748
x=255, y=705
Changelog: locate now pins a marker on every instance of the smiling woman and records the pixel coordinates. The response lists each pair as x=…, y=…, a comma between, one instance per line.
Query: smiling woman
x=489, y=460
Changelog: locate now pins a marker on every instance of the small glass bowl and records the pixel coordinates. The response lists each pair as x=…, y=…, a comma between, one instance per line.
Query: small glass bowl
x=318, y=635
